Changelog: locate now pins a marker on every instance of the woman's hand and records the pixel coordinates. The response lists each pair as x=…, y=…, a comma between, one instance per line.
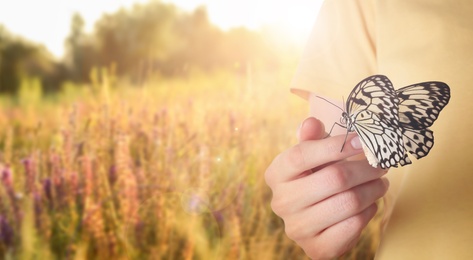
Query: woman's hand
x=324, y=200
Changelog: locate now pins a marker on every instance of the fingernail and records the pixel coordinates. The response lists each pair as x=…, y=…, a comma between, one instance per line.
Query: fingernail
x=356, y=142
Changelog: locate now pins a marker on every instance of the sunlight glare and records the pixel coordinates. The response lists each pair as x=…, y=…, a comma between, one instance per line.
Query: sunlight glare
x=293, y=18
x=48, y=21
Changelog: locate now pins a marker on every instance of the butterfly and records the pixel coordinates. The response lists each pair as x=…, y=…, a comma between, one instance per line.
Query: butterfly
x=392, y=123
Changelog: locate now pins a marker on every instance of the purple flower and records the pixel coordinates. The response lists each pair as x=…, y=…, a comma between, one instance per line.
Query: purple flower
x=47, y=189
x=37, y=209
x=7, y=177
x=218, y=216
x=6, y=232
x=112, y=175
x=30, y=174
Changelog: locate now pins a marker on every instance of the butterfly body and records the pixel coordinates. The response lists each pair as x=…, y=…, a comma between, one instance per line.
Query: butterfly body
x=393, y=123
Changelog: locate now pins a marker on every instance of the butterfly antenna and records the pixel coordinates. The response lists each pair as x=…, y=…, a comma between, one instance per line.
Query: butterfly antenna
x=331, y=103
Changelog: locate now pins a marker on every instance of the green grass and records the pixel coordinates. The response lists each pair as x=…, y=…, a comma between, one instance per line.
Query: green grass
x=172, y=169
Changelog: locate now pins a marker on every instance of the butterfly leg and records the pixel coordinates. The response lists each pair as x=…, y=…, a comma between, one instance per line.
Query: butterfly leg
x=345, y=141
x=331, y=129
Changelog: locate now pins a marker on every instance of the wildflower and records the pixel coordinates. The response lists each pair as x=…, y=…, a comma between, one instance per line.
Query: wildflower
x=218, y=216
x=37, y=210
x=194, y=202
x=6, y=232
x=47, y=189
x=7, y=177
x=112, y=175
x=74, y=184
x=8, y=184
x=30, y=174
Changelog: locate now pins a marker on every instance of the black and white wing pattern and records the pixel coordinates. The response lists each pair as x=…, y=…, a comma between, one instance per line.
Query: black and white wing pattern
x=372, y=111
x=419, y=106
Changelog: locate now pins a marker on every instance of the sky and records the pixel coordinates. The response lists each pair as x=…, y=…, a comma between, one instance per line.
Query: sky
x=48, y=21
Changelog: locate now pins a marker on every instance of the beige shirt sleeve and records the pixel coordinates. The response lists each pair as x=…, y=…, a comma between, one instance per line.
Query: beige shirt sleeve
x=341, y=49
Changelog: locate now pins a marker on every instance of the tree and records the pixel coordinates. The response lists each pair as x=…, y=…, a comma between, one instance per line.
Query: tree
x=74, y=44
x=20, y=58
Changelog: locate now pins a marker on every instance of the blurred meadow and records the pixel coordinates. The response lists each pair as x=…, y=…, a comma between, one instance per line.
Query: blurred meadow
x=148, y=140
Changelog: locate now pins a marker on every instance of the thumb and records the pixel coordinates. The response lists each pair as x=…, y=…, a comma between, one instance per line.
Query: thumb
x=311, y=129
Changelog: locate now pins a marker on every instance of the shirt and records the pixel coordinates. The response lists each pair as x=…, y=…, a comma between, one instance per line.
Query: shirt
x=410, y=41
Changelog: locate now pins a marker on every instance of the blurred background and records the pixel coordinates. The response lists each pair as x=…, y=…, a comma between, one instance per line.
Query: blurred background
x=58, y=41
x=142, y=129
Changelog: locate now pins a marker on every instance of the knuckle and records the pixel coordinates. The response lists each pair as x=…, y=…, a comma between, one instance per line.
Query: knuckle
x=350, y=201
x=290, y=232
x=337, y=177
x=295, y=157
x=317, y=250
x=378, y=188
x=355, y=223
x=313, y=251
x=269, y=175
x=275, y=207
x=294, y=231
x=278, y=207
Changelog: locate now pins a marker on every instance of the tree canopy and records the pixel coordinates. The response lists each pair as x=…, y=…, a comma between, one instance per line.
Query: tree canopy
x=148, y=38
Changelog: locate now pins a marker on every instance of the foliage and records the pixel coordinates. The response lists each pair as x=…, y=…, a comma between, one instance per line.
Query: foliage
x=141, y=41
x=20, y=58
x=172, y=170
x=148, y=141
x=159, y=37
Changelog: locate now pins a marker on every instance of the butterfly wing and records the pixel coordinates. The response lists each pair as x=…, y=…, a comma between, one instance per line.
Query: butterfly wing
x=382, y=139
x=373, y=106
x=419, y=106
x=375, y=93
x=418, y=142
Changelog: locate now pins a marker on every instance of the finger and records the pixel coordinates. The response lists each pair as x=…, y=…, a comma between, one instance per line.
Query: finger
x=333, y=179
x=346, y=233
x=311, y=129
x=336, y=208
x=310, y=154
x=348, y=203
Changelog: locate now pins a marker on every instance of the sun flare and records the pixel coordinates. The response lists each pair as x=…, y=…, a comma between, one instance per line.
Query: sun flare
x=293, y=18
x=52, y=17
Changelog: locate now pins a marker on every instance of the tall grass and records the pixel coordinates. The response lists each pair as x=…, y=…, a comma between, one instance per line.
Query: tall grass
x=172, y=169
